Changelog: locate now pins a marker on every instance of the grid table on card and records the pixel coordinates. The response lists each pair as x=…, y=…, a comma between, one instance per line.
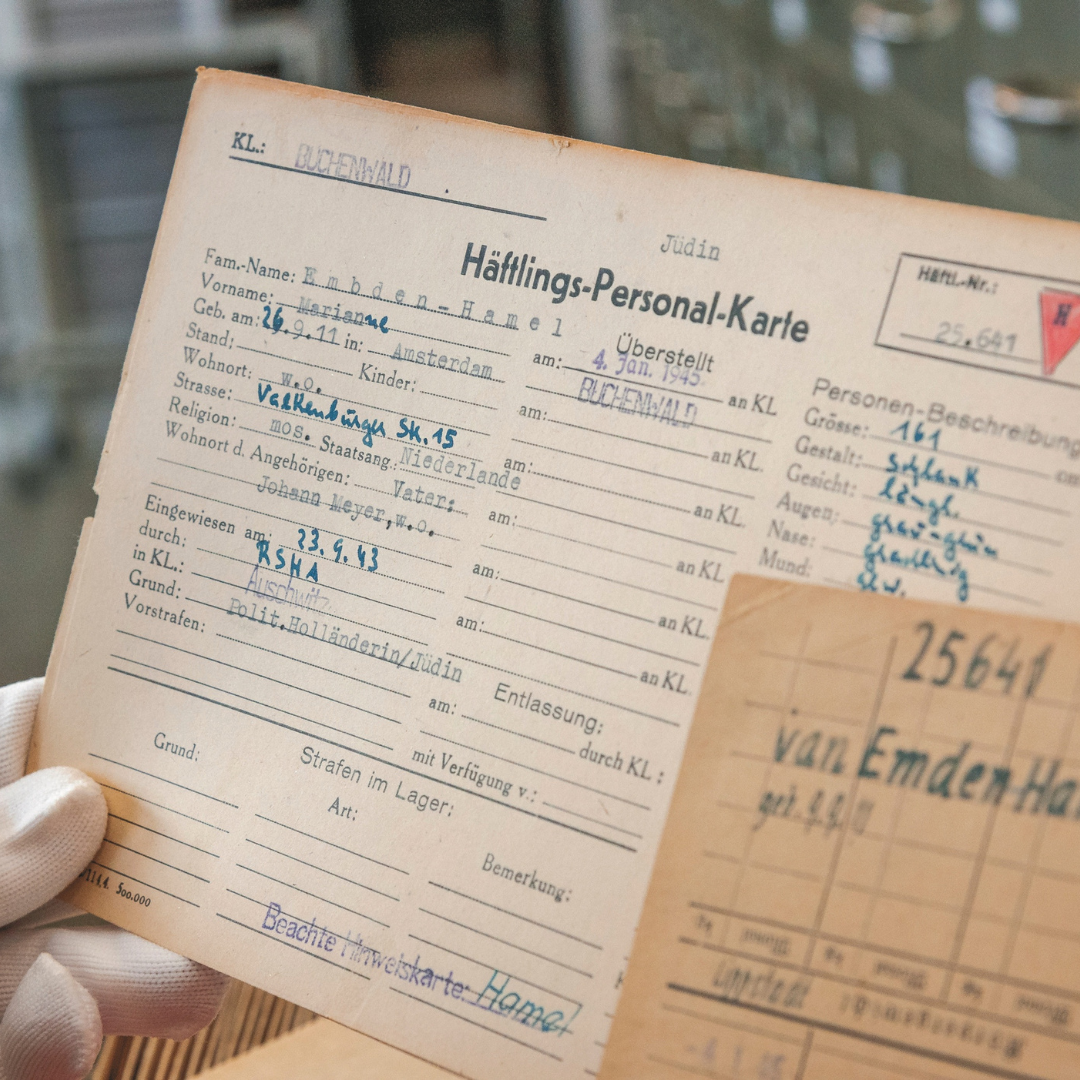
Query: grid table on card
x=854, y=887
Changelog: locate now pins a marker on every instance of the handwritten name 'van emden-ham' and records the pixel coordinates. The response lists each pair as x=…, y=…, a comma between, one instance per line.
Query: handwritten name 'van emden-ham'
x=521, y=271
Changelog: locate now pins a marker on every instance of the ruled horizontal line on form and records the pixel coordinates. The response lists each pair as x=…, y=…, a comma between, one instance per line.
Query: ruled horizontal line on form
x=510, y=944
x=327, y=615
x=302, y=363
x=519, y=734
x=914, y=997
x=970, y=348
x=465, y=1019
x=156, y=832
x=930, y=539
x=911, y=350
x=1061, y=512
x=580, y=630
x=983, y=266
x=160, y=862
x=312, y=419
x=250, y=701
x=968, y=520
x=619, y=524
x=576, y=693
x=523, y=918
x=598, y=547
x=634, y=468
x=626, y=438
x=599, y=577
x=681, y=391
x=322, y=869
x=290, y=945
x=146, y=884
x=278, y=517
x=855, y=1033
x=304, y=892
x=330, y=843
x=900, y=954
x=258, y=675
x=728, y=1024
x=317, y=667
x=595, y=821
x=541, y=772
x=373, y=757
x=154, y=776
x=161, y=806
x=494, y=967
x=965, y=457
x=391, y=190
x=578, y=600
x=441, y=341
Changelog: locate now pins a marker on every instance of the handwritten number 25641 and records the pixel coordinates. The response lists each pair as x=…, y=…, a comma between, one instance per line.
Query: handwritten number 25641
x=957, y=662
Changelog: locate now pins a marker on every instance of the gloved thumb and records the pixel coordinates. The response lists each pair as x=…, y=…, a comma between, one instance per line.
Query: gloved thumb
x=51, y=823
x=140, y=988
x=51, y=1029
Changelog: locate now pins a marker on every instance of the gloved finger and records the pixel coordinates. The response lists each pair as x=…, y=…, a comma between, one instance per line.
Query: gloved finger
x=55, y=911
x=51, y=1030
x=18, y=706
x=51, y=823
x=140, y=988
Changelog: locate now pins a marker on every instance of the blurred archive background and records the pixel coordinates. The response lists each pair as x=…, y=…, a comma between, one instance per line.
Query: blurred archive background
x=974, y=101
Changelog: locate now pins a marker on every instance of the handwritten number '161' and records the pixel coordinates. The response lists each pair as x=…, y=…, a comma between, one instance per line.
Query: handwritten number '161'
x=278, y=320
x=976, y=667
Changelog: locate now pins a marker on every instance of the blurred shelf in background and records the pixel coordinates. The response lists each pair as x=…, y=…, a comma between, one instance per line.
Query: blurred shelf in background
x=494, y=60
x=974, y=102
x=92, y=101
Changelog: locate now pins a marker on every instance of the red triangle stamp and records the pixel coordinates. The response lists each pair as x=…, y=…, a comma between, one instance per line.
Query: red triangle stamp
x=1060, y=326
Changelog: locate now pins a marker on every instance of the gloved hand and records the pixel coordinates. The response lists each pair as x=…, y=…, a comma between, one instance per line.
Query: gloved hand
x=61, y=987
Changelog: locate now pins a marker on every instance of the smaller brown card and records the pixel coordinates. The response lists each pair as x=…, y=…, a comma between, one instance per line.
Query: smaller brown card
x=870, y=868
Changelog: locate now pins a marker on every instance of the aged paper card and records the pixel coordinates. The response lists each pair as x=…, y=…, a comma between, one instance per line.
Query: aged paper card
x=870, y=864
x=436, y=447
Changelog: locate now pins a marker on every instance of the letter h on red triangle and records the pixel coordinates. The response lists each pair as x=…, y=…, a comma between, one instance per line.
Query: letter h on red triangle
x=1060, y=326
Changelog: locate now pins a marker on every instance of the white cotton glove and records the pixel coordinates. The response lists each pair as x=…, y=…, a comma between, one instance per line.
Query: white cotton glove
x=63, y=987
